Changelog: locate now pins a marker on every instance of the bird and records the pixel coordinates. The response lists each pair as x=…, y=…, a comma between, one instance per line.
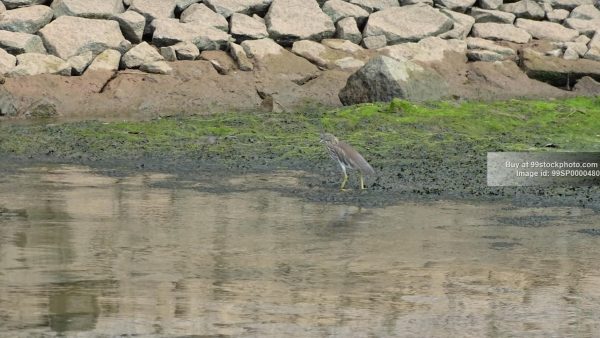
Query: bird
x=347, y=157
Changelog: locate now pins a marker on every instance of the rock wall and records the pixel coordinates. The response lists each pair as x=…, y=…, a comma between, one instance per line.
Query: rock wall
x=555, y=41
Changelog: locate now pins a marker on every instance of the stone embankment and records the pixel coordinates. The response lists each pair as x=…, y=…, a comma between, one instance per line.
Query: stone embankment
x=149, y=57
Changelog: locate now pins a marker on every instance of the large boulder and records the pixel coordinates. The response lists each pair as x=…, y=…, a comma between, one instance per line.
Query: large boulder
x=70, y=35
x=18, y=43
x=291, y=20
x=585, y=12
x=527, y=9
x=35, y=64
x=487, y=45
x=375, y=5
x=204, y=15
x=456, y=5
x=12, y=4
x=547, y=30
x=7, y=61
x=140, y=54
x=491, y=15
x=594, y=48
x=260, y=49
x=108, y=60
x=568, y=4
x=170, y=31
x=152, y=9
x=26, y=19
x=407, y=23
x=428, y=50
x=132, y=25
x=499, y=31
x=243, y=27
x=463, y=24
x=384, y=78
x=557, y=71
x=585, y=27
x=91, y=9
x=338, y=9
x=347, y=29
x=227, y=7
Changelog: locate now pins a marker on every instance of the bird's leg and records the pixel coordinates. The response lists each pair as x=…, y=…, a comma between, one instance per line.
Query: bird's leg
x=362, y=182
x=345, y=178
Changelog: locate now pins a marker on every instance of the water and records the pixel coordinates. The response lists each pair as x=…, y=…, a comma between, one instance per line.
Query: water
x=82, y=254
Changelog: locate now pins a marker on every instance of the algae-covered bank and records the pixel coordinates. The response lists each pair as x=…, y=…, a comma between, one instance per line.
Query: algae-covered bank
x=419, y=151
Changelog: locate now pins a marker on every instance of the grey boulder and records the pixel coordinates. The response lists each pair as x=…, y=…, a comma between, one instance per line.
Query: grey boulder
x=26, y=19
x=383, y=78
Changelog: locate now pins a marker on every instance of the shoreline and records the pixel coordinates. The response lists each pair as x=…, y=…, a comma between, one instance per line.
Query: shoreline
x=427, y=151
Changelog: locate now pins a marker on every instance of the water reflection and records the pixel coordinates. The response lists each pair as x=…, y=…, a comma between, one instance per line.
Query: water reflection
x=98, y=255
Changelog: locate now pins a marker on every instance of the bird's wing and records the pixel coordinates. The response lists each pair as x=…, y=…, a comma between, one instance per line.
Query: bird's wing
x=355, y=160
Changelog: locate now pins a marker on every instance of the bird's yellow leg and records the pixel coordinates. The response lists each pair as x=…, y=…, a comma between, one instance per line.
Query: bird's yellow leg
x=344, y=182
x=362, y=182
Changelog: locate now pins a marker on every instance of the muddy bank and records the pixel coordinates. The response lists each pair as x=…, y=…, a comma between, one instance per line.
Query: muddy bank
x=420, y=151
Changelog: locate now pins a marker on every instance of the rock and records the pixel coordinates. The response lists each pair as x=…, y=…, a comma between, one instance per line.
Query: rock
x=349, y=63
x=556, y=71
x=456, y=5
x=7, y=61
x=152, y=9
x=568, y=4
x=374, y=42
x=462, y=25
x=580, y=48
x=259, y=49
x=243, y=27
x=484, y=55
x=414, y=2
x=108, y=60
x=2, y=7
x=593, y=52
x=132, y=25
x=585, y=12
x=407, y=23
x=12, y=4
x=168, y=53
x=527, y=9
x=374, y=5
x=490, y=4
x=343, y=45
x=585, y=27
x=499, y=31
x=185, y=51
x=182, y=5
x=557, y=15
x=555, y=52
x=490, y=15
x=338, y=10
x=140, y=54
x=203, y=14
x=587, y=86
x=91, y=9
x=383, y=79
x=7, y=103
x=428, y=50
x=26, y=19
x=293, y=20
x=317, y=53
x=347, y=29
x=157, y=67
x=227, y=7
x=171, y=31
x=583, y=39
x=570, y=54
x=68, y=36
x=79, y=63
x=221, y=61
x=258, y=18
x=239, y=55
x=35, y=64
x=482, y=44
x=547, y=30
x=43, y=108
x=18, y=43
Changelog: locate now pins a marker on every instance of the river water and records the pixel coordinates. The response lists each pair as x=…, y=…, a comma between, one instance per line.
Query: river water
x=86, y=254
